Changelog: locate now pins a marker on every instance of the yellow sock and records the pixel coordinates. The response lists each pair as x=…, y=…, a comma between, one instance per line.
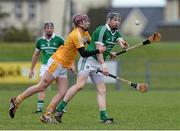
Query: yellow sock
x=50, y=109
x=19, y=99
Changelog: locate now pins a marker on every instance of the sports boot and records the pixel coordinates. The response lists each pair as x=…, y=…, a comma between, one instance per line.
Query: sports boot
x=107, y=121
x=58, y=116
x=12, y=107
x=48, y=119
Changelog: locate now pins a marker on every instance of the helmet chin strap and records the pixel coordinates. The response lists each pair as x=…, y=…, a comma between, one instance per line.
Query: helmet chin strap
x=83, y=28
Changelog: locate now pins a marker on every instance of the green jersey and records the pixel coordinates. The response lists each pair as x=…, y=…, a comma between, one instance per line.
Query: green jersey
x=48, y=46
x=106, y=37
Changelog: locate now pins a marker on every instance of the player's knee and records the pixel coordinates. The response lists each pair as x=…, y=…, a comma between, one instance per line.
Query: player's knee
x=45, y=82
x=41, y=88
x=43, y=85
x=101, y=90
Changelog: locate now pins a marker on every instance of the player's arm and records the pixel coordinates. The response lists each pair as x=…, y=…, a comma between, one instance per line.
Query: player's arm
x=123, y=44
x=100, y=58
x=99, y=37
x=86, y=53
x=35, y=58
x=79, y=43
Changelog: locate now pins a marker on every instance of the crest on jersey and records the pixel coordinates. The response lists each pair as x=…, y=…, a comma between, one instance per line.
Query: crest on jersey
x=48, y=44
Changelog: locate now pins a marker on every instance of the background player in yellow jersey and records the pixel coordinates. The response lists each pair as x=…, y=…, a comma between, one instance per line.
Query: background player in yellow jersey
x=60, y=61
x=46, y=45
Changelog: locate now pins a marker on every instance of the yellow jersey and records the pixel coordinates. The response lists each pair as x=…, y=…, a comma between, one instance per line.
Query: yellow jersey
x=65, y=54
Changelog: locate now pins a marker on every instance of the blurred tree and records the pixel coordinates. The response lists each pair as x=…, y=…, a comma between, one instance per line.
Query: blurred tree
x=3, y=14
x=13, y=34
x=97, y=18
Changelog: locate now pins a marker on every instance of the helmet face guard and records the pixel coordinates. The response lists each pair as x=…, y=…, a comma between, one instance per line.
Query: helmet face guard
x=81, y=21
x=114, y=20
x=48, y=24
x=112, y=15
x=80, y=18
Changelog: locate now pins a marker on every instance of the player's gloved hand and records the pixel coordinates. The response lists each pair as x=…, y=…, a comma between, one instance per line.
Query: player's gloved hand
x=101, y=49
x=105, y=70
x=31, y=74
x=112, y=55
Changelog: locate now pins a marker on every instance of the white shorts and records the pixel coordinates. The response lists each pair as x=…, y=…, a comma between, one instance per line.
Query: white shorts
x=56, y=69
x=43, y=68
x=88, y=66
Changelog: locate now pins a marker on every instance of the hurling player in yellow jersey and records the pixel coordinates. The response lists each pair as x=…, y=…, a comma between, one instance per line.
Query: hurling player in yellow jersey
x=58, y=63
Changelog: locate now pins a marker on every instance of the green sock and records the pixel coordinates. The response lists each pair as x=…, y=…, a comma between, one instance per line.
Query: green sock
x=61, y=106
x=103, y=115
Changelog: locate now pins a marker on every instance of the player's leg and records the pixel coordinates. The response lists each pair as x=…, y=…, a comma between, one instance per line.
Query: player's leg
x=41, y=94
x=41, y=86
x=62, y=85
x=72, y=91
x=98, y=80
x=60, y=73
x=40, y=102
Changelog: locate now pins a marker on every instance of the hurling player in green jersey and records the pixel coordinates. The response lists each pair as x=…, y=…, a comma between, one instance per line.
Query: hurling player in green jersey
x=107, y=35
x=47, y=45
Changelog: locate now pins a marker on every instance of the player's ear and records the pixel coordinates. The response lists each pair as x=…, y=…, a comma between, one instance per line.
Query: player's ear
x=108, y=21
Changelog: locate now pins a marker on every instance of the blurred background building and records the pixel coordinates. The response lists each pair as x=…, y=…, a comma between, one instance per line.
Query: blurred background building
x=33, y=13
x=154, y=15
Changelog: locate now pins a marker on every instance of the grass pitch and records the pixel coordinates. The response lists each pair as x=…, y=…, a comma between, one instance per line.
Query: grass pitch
x=157, y=110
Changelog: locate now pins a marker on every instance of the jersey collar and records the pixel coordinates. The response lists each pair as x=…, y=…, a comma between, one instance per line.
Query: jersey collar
x=81, y=30
x=53, y=35
x=107, y=26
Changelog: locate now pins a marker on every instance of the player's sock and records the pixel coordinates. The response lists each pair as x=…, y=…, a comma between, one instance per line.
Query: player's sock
x=50, y=108
x=61, y=106
x=103, y=115
x=40, y=105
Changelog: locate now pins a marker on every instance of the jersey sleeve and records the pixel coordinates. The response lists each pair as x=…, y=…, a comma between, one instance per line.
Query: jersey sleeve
x=38, y=46
x=99, y=36
x=60, y=40
x=78, y=40
x=118, y=37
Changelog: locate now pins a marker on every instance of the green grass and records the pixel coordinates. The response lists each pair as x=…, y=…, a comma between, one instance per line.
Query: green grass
x=156, y=110
x=16, y=51
x=163, y=59
x=154, y=52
